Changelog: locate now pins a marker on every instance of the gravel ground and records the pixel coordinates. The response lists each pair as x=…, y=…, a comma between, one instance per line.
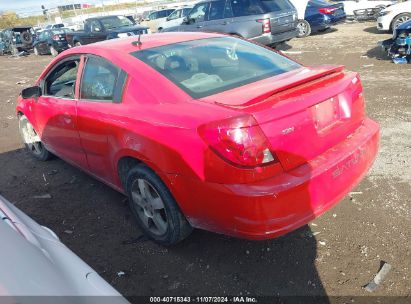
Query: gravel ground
x=351, y=240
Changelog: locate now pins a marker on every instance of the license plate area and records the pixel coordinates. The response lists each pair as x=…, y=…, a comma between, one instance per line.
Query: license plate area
x=326, y=114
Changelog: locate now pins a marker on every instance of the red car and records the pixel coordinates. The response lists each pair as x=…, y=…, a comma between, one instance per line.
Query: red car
x=204, y=130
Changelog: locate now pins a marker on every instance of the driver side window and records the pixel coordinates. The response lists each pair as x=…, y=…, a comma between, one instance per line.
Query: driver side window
x=62, y=80
x=95, y=26
x=198, y=13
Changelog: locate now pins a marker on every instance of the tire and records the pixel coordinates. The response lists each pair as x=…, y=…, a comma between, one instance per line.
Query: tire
x=26, y=38
x=53, y=51
x=36, y=51
x=401, y=18
x=154, y=208
x=304, y=29
x=31, y=140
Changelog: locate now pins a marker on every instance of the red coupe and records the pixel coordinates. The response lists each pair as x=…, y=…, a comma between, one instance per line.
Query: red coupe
x=204, y=130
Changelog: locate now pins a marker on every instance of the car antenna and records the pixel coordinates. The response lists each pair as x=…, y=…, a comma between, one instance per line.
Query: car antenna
x=138, y=42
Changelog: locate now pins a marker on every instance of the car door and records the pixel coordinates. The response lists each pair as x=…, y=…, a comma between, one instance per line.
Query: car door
x=40, y=42
x=96, y=32
x=219, y=17
x=98, y=110
x=55, y=111
x=195, y=19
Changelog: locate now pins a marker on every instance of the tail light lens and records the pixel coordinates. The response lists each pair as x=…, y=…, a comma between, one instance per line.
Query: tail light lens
x=56, y=37
x=327, y=10
x=266, y=25
x=239, y=140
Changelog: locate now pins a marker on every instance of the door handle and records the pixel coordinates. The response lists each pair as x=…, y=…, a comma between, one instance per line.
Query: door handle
x=224, y=23
x=199, y=26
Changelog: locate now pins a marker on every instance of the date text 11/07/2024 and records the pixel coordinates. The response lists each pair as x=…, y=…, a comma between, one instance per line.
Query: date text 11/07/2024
x=233, y=299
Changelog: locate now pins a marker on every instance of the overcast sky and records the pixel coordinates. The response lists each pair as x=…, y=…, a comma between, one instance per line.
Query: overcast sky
x=28, y=6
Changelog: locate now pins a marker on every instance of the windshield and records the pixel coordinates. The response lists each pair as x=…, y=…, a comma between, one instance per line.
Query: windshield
x=209, y=66
x=116, y=21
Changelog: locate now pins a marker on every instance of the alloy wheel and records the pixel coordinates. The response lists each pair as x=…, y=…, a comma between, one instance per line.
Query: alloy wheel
x=149, y=207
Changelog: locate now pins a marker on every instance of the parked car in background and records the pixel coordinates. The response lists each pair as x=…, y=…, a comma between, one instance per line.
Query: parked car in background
x=51, y=42
x=399, y=46
x=204, y=130
x=391, y=17
x=34, y=262
x=352, y=5
x=368, y=14
x=54, y=26
x=265, y=21
x=17, y=39
x=104, y=28
x=317, y=15
x=154, y=19
x=175, y=18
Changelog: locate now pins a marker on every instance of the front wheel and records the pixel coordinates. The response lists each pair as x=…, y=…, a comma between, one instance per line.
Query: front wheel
x=154, y=208
x=32, y=140
x=400, y=19
x=53, y=51
x=304, y=29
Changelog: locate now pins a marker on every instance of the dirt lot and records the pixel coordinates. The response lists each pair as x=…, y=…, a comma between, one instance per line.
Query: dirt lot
x=371, y=226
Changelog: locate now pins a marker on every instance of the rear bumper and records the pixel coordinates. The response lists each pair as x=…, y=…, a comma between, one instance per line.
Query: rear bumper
x=285, y=202
x=268, y=39
x=61, y=46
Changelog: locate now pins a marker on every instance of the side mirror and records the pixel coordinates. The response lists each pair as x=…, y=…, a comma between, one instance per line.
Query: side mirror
x=31, y=92
x=188, y=20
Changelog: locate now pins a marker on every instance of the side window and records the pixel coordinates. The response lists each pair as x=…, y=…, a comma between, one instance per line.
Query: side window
x=198, y=13
x=246, y=7
x=101, y=81
x=174, y=15
x=95, y=26
x=62, y=80
x=185, y=12
x=216, y=10
x=152, y=16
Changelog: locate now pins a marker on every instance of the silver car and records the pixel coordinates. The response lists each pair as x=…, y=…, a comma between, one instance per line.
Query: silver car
x=35, y=265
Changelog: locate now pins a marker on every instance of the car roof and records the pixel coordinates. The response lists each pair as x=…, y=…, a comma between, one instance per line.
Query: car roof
x=147, y=41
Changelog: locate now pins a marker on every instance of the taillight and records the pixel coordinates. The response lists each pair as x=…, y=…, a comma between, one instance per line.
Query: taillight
x=266, y=25
x=56, y=37
x=239, y=140
x=327, y=10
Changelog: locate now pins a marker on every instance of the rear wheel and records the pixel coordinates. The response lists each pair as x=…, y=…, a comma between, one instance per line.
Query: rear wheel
x=53, y=51
x=154, y=208
x=32, y=140
x=401, y=18
x=304, y=29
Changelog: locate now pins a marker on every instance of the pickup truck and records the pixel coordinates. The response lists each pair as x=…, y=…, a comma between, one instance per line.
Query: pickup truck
x=104, y=28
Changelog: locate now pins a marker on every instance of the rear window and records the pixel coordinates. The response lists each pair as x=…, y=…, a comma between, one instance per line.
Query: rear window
x=276, y=5
x=210, y=66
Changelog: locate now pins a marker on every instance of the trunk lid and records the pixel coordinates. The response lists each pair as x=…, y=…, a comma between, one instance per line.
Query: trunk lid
x=304, y=112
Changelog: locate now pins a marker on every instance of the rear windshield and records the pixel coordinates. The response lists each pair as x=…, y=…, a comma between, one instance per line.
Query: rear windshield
x=320, y=3
x=258, y=7
x=209, y=66
x=276, y=5
x=116, y=21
